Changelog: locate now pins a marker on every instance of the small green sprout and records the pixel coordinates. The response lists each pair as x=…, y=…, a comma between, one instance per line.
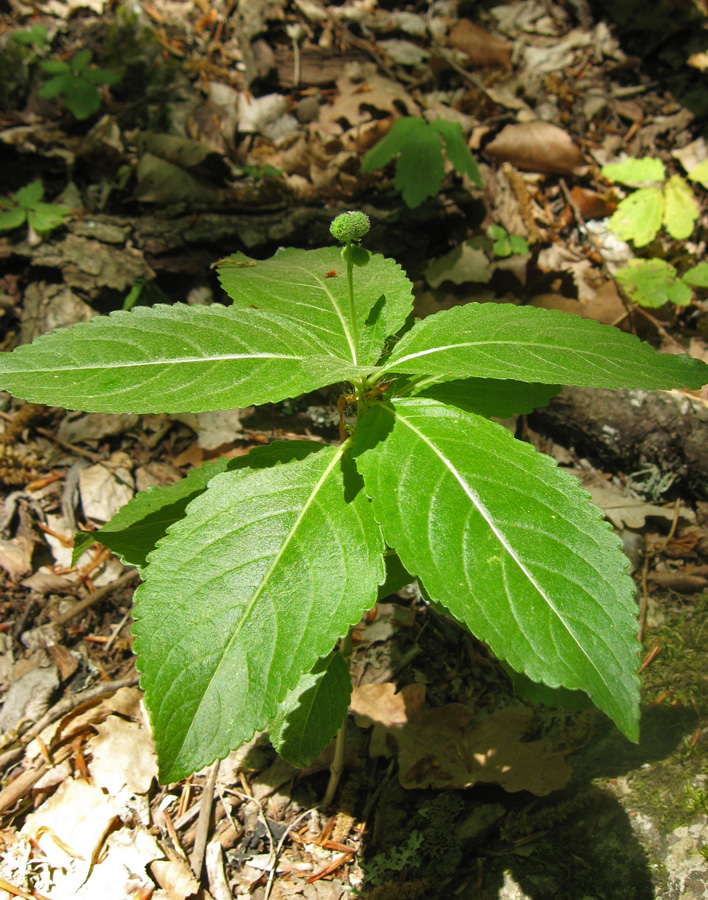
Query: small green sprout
x=506, y=244
x=35, y=37
x=420, y=166
x=75, y=82
x=657, y=203
x=26, y=206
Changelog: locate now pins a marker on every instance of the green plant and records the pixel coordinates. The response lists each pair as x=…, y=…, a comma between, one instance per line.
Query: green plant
x=506, y=244
x=35, y=37
x=26, y=206
x=655, y=282
x=253, y=567
x=420, y=166
x=640, y=216
x=75, y=82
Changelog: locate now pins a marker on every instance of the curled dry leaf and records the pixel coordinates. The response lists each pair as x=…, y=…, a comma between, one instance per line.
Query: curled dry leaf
x=448, y=748
x=483, y=49
x=591, y=204
x=536, y=147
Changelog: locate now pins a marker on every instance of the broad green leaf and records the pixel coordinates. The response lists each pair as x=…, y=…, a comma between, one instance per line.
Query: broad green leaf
x=699, y=173
x=266, y=571
x=35, y=36
x=519, y=245
x=295, y=285
x=492, y=340
x=312, y=712
x=81, y=60
x=171, y=359
x=697, y=275
x=456, y=148
x=28, y=196
x=102, y=76
x=510, y=544
x=134, y=531
x=639, y=217
x=502, y=247
x=488, y=397
x=47, y=216
x=635, y=171
x=397, y=576
x=681, y=209
x=57, y=85
x=81, y=98
x=536, y=693
x=54, y=66
x=12, y=218
x=400, y=134
x=653, y=283
x=420, y=168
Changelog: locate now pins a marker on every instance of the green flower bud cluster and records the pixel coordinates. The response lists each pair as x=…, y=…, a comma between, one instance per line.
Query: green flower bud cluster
x=350, y=226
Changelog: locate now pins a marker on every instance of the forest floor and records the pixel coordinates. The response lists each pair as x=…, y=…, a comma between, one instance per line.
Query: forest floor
x=212, y=127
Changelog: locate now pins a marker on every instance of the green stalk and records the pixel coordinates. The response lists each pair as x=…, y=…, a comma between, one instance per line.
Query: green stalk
x=340, y=743
x=352, y=308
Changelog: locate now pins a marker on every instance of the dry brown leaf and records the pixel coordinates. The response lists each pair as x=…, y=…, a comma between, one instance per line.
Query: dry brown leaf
x=175, y=876
x=591, y=204
x=484, y=49
x=123, y=755
x=372, y=703
x=537, y=147
x=683, y=582
x=446, y=748
x=16, y=556
x=356, y=98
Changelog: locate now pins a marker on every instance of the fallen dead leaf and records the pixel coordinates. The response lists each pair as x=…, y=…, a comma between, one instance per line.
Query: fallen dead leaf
x=483, y=49
x=356, y=99
x=537, y=147
x=123, y=755
x=447, y=748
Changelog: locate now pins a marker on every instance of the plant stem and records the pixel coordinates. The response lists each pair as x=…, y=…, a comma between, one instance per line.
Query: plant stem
x=337, y=767
x=352, y=308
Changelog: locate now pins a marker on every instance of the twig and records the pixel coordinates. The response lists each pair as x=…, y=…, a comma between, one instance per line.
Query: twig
x=279, y=849
x=98, y=595
x=65, y=445
x=65, y=706
x=116, y=631
x=337, y=767
x=659, y=327
x=204, y=823
x=215, y=872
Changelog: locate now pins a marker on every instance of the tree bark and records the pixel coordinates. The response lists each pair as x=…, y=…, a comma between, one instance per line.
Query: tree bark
x=627, y=430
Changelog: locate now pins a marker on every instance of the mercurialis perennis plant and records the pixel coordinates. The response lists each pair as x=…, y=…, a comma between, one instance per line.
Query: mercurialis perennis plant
x=254, y=568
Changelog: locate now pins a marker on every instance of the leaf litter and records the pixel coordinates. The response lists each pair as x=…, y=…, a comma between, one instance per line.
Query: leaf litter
x=279, y=103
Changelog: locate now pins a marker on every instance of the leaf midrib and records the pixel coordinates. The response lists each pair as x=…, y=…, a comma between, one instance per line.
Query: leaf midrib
x=264, y=581
x=484, y=512
x=168, y=361
x=319, y=283
x=529, y=345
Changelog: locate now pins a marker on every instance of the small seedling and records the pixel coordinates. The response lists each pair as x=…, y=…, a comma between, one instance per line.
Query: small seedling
x=75, y=82
x=654, y=282
x=658, y=203
x=35, y=37
x=26, y=206
x=420, y=166
x=506, y=244
x=254, y=567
